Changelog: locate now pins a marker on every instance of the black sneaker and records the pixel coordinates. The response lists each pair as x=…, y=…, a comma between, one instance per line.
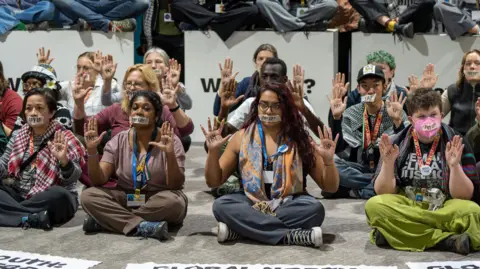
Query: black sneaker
x=342, y=192
x=36, y=220
x=225, y=234
x=458, y=243
x=405, y=30
x=90, y=225
x=158, y=230
x=304, y=237
x=380, y=239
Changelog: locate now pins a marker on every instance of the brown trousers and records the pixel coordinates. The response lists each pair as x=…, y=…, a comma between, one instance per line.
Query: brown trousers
x=109, y=208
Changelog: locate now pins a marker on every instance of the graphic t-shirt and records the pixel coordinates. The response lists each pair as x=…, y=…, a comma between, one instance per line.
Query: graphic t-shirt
x=410, y=174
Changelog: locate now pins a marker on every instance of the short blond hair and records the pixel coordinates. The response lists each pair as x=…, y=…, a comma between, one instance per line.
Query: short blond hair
x=148, y=76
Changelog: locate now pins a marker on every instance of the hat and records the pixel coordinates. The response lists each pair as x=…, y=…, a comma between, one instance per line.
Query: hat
x=370, y=70
x=43, y=72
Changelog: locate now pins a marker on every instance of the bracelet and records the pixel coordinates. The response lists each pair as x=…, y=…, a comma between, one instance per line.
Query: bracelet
x=175, y=109
x=219, y=121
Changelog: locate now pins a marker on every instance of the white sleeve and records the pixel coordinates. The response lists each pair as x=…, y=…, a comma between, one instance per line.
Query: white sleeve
x=237, y=118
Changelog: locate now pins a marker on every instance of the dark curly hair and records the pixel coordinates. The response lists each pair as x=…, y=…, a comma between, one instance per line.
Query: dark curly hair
x=423, y=99
x=292, y=122
x=154, y=99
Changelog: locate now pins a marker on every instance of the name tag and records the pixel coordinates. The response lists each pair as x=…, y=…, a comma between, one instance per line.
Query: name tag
x=133, y=201
x=268, y=177
x=167, y=17
x=301, y=11
x=219, y=8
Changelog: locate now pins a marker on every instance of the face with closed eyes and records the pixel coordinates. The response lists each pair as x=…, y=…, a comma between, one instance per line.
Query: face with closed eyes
x=37, y=113
x=142, y=113
x=269, y=109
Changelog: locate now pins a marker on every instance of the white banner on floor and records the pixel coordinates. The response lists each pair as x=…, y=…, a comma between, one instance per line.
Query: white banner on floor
x=445, y=265
x=250, y=266
x=24, y=260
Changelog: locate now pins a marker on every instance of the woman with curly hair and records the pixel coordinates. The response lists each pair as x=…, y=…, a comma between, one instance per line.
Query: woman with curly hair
x=273, y=151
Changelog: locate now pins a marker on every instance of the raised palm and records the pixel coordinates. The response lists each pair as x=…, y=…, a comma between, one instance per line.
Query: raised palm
x=79, y=90
x=327, y=145
x=175, y=71
x=413, y=83
x=338, y=103
x=339, y=81
x=213, y=136
x=92, y=139
x=395, y=106
x=44, y=58
x=58, y=147
x=429, y=79
x=109, y=67
x=166, y=143
x=454, y=150
x=168, y=95
x=388, y=152
x=227, y=96
x=98, y=61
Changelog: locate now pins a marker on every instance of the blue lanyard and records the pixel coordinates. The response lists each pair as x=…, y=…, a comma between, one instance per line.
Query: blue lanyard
x=281, y=149
x=134, y=159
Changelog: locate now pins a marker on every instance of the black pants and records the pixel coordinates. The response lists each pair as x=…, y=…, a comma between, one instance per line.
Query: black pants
x=60, y=204
x=236, y=16
x=419, y=12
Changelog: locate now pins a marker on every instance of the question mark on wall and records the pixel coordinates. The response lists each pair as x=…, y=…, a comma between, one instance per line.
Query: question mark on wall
x=310, y=83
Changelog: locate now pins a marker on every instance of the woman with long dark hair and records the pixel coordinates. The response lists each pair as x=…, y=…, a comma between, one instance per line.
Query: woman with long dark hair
x=273, y=152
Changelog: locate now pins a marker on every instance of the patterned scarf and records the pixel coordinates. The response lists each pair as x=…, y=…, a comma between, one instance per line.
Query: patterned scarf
x=404, y=140
x=287, y=180
x=47, y=168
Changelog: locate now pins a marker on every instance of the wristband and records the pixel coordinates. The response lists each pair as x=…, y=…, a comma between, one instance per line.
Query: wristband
x=175, y=109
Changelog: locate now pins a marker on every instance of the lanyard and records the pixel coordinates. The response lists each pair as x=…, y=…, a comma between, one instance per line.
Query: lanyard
x=370, y=138
x=282, y=149
x=418, y=151
x=139, y=172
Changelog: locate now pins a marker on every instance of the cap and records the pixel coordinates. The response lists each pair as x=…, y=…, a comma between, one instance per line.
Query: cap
x=370, y=70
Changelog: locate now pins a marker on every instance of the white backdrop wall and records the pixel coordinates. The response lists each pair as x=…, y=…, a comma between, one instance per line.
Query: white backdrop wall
x=412, y=55
x=18, y=51
x=317, y=55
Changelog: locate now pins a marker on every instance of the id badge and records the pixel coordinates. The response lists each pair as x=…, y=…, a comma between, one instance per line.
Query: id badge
x=268, y=177
x=301, y=11
x=219, y=8
x=167, y=17
x=133, y=201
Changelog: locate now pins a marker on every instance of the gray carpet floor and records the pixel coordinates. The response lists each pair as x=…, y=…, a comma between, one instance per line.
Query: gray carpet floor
x=345, y=237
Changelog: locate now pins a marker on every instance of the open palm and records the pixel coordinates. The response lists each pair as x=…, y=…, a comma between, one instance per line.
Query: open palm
x=388, y=152
x=454, y=150
x=166, y=138
x=213, y=136
x=395, y=106
x=58, y=147
x=327, y=145
x=92, y=139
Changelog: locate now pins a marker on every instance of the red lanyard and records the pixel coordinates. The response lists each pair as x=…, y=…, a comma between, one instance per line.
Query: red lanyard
x=369, y=137
x=31, y=151
x=418, y=151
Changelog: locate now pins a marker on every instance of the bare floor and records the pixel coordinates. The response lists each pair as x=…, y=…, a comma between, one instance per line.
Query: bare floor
x=345, y=235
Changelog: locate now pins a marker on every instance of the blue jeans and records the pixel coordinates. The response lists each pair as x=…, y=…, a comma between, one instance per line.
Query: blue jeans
x=39, y=12
x=356, y=177
x=99, y=13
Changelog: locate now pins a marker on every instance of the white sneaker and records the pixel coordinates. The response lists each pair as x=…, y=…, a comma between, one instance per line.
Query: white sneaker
x=225, y=234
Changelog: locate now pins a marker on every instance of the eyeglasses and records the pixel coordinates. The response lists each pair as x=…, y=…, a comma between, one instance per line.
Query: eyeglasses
x=32, y=85
x=130, y=84
x=265, y=106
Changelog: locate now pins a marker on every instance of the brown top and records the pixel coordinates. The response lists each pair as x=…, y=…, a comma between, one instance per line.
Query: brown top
x=119, y=153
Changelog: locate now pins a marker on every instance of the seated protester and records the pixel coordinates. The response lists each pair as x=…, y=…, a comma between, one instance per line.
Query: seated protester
x=248, y=87
x=40, y=168
x=137, y=78
x=459, y=98
x=273, y=151
x=89, y=66
x=426, y=184
x=10, y=108
x=360, y=127
x=145, y=205
x=44, y=76
x=273, y=70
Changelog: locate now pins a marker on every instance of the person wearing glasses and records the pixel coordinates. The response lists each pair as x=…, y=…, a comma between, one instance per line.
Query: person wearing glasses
x=91, y=70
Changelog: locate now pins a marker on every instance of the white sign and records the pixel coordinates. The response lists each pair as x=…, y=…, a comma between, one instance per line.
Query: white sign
x=20, y=48
x=444, y=265
x=249, y=266
x=24, y=260
x=317, y=54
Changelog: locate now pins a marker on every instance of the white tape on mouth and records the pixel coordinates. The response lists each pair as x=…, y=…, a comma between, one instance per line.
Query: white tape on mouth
x=369, y=98
x=430, y=127
x=266, y=118
x=33, y=121
x=139, y=120
x=472, y=73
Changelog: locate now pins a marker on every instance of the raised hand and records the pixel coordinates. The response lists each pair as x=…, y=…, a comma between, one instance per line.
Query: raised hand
x=43, y=58
x=395, y=106
x=166, y=138
x=454, y=150
x=337, y=104
x=339, y=81
x=213, y=136
x=429, y=79
x=225, y=72
x=388, y=152
x=175, y=71
x=98, y=61
x=168, y=95
x=108, y=68
x=327, y=145
x=79, y=90
x=227, y=97
x=297, y=86
x=92, y=139
x=413, y=83
x=58, y=148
